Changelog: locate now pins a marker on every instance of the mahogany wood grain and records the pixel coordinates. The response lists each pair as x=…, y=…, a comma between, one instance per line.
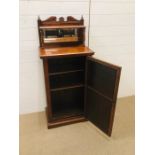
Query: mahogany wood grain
x=65, y=51
x=52, y=21
x=59, y=40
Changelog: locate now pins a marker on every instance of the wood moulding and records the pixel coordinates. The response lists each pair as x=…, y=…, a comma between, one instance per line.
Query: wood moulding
x=59, y=40
x=66, y=121
x=65, y=51
x=52, y=21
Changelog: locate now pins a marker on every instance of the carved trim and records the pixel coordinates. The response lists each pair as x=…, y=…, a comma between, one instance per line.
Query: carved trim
x=61, y=21
x=70, y=18
x=51, y=19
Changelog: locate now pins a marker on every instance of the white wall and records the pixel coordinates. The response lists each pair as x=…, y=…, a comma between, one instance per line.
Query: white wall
x=111, y=37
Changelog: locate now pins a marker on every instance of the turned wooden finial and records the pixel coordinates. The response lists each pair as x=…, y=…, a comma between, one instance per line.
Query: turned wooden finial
x=82, y=19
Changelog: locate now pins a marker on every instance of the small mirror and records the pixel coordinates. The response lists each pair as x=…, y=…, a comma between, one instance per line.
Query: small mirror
x=57, y=33
x=50, y=33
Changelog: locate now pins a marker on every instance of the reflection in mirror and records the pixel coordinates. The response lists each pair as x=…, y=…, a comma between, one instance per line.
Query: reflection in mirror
x=56, y=33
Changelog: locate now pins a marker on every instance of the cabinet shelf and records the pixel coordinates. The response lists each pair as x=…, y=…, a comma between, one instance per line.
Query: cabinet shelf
x=60, y=40
x=68, y=87
x=65, y=113
x=66, y=72
x=64, y=65
x=67, y=79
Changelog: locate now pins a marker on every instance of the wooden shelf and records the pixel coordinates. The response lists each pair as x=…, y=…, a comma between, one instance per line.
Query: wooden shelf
x=62, y=27
x=65, y=113
x=60, y=40
x=68, y=87
x=66, y=72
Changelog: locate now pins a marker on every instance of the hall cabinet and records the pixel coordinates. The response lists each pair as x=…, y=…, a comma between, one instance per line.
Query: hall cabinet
x=79, y=87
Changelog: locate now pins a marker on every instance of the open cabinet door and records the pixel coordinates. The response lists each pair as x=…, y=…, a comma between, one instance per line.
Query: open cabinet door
x=101, y=93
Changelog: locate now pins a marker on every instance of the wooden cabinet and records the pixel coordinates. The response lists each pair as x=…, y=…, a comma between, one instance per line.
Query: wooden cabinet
x=78, y=86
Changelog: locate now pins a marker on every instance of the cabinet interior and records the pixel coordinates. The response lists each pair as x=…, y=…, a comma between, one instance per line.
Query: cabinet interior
x=67, y=83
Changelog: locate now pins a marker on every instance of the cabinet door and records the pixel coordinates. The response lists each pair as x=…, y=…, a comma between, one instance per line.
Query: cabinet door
x=101, y=93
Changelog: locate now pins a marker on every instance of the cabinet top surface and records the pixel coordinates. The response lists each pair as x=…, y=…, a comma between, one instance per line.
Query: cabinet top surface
x=65, y=51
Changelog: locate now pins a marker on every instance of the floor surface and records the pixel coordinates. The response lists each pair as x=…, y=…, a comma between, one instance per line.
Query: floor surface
x=80, y=138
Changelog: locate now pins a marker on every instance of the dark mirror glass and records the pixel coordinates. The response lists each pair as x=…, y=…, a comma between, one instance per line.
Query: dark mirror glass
x=51, y=33
x=60, y=33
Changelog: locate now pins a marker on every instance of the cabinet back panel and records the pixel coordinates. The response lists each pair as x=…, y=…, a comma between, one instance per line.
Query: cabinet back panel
x=68, y=101
x=69, y=79
x=66, y=64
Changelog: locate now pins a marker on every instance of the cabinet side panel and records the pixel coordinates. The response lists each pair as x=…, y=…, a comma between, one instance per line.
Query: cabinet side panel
x=48, y=94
